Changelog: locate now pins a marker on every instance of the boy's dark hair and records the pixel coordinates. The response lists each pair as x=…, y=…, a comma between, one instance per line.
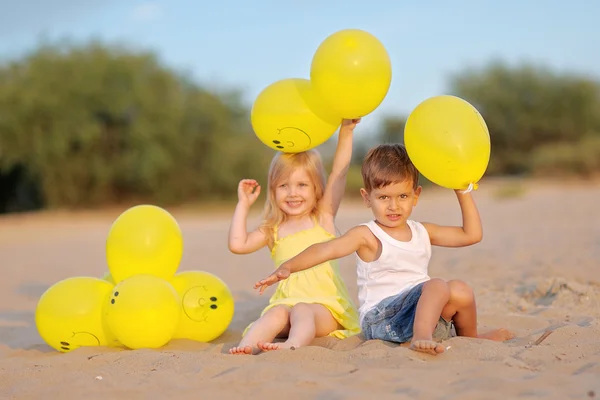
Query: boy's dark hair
x=387, y=164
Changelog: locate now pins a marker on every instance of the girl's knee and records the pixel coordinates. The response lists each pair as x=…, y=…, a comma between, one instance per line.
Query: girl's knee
x=301, y=308
x=278, y=312
x=460, y=292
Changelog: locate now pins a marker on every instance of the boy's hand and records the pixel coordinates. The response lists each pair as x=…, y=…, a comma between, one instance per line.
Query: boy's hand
x=350, y=124
x=248, y=191
x=279, y=275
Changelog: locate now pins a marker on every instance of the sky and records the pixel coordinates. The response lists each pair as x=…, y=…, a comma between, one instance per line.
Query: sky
x=247, y=45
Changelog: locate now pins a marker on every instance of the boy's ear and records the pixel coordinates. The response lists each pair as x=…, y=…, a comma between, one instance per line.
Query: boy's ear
x=417, y=194
x=365, y=195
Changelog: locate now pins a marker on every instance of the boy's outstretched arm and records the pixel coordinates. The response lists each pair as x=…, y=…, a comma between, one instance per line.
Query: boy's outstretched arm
x=317, y=254
x=469, y=233
x=336, y=184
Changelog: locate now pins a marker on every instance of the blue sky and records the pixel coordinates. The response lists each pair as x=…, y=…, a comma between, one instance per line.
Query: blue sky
x=250, y=44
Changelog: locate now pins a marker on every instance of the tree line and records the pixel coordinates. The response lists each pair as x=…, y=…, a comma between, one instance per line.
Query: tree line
x=98, y=124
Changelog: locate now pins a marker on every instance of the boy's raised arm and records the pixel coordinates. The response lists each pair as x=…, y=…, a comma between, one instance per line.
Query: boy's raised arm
x=469, y=233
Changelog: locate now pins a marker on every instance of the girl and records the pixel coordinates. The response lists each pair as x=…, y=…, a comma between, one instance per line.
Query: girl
x=299, y=211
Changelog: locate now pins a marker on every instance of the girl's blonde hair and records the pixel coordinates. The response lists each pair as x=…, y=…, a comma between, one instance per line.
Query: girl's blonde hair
x=282, y=166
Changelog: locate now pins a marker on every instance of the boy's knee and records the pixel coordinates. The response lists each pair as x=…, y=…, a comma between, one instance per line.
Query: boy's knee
x=439, y=286
x=460, y=292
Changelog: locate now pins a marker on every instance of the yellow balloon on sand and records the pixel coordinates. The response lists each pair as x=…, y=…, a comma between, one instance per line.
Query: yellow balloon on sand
x=144, y=239
x=448, y=141
x=207, y=305
x=143, y=311
x=288, y=116
x=351, y=70
x=69, y=314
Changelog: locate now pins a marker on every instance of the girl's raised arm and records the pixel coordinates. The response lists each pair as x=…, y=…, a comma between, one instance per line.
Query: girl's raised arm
x=336, y=184
x=240, y=241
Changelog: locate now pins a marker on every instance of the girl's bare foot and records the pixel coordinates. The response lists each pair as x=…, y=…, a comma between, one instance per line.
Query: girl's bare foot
x=243, y=350
x=268, y=346
x=427, y=346
x=498, y=335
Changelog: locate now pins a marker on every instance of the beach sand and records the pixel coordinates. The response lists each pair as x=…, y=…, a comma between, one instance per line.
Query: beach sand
x=536, y=270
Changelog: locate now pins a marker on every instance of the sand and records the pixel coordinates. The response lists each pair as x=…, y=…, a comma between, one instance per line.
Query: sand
x=536, y=270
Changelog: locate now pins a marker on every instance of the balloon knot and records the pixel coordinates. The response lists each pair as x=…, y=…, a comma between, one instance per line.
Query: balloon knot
x=472, y=186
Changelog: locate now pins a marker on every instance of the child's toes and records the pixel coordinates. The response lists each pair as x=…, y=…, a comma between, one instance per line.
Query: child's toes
x=427, y=346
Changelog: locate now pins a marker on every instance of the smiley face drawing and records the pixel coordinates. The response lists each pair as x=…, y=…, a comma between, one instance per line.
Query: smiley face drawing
x=69, y=314
x=79, y=339
x=288, y=116
x=207, y=305
x=290, y=139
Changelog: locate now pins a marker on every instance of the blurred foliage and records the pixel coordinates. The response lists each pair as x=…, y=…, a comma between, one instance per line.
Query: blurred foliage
x=529, y=108
x=581, y=158
x=95, y=124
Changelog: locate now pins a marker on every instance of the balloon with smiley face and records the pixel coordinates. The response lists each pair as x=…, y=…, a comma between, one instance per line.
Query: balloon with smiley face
x=288, y=116
x=69, y=314
x=207, y=305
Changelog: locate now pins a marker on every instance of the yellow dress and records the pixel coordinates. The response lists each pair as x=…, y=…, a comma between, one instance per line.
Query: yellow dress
x=321, y=284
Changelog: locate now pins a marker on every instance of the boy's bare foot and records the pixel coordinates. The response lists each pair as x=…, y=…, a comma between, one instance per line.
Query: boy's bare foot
x=243, y=350
x=268, y=346
x=427, y=346
x=498, y=335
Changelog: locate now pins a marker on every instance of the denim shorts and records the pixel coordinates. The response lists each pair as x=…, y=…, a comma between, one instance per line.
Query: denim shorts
x=392, y=319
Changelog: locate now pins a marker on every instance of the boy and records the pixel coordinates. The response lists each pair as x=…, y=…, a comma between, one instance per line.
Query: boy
x=398, y=300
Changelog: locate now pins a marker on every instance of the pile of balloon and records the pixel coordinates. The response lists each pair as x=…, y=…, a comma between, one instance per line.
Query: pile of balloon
x=350, y=75
x=142, y=302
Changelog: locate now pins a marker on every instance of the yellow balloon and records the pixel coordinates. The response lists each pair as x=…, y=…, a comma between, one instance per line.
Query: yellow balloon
x=351, y=70
x=143, y=311
x=69, y=314
x=207, y=304
x=287, y=116
x=144, y=239
x=448, y=141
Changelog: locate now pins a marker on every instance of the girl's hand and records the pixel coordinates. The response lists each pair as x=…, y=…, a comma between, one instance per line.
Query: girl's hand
x=248, y=191
x=350, y=124
x=279, y=275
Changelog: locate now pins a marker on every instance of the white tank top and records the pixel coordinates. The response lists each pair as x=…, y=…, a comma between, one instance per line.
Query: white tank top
x=400, y=266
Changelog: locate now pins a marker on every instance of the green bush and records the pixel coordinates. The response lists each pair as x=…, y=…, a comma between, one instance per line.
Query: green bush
x=97, y=124
x=91, y=124
x=568, y=159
